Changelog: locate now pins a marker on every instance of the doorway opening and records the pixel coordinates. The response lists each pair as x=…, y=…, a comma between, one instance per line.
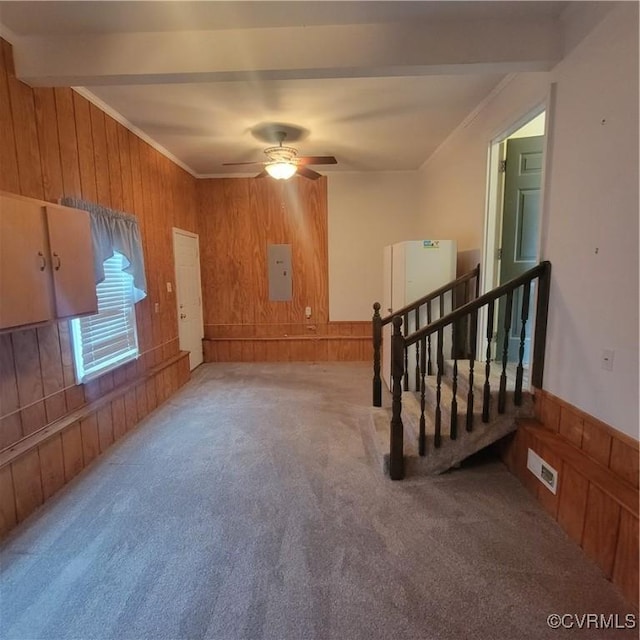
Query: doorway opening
x=512, y=228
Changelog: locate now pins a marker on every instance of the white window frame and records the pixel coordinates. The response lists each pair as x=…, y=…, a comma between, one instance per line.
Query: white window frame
x=116, y=314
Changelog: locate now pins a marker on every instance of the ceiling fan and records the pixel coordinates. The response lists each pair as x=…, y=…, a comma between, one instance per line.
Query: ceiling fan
x=284, y=162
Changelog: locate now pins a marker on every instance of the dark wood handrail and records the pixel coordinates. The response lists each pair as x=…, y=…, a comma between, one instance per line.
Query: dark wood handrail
x=474, y=273
x=474, y=305
x=422, y=338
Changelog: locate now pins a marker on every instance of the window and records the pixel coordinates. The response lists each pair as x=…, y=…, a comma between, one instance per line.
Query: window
x=107, y=339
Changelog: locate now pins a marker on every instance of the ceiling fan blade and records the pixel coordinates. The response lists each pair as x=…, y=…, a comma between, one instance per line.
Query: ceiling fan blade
x=237, y=164
x=308, y=173
x=316, y=160
x=262, y=174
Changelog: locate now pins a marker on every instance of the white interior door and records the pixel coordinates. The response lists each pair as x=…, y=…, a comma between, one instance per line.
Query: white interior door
x=188, y=294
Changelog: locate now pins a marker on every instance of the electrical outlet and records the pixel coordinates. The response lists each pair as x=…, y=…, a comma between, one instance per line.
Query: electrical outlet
x=169, y=287
x=156, y=307
x=607, y=359
x=307, y=312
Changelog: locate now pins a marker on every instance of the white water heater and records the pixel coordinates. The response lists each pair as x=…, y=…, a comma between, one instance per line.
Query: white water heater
x=413, y=269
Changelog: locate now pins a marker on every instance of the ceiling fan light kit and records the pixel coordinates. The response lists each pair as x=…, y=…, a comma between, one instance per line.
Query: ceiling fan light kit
x=284, y=162
x=281, y=170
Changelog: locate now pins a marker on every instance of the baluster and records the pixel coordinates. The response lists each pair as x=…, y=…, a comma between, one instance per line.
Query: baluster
x=472, y=358
x=377, y=341
x=396, y=445
x=439, y=364
x=406, y=354
x=422, y=440
x=417, y=326
x=486, y=400
x=441, y=297
x=473, y=330
x=453, y=429
x=502, y=394
x=517, y=395
x=429, y=366
x=465, y=323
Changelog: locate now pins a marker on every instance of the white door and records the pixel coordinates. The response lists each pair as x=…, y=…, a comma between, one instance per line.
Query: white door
x=188, y=294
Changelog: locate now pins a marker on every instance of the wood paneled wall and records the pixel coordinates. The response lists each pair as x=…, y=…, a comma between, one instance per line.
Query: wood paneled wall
x=55, y=143
x=596, y=502
x=333, y=341
x=35, y=468
x=239, y=218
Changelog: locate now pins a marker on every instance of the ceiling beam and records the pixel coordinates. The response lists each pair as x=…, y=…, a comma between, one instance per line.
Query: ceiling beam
x=335, y=51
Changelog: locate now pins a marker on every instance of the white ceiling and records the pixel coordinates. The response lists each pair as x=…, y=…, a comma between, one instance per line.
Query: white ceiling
x=380, y=85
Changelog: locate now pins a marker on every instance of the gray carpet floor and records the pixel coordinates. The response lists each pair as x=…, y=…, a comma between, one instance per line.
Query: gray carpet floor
x=249, y=507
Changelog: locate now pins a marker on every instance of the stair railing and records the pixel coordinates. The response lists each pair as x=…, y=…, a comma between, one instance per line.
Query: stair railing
x=420, y=310
x=470, y=310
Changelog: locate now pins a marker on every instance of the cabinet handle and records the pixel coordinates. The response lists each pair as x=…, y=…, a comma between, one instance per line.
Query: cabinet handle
x=43, y=262
x=58, y=263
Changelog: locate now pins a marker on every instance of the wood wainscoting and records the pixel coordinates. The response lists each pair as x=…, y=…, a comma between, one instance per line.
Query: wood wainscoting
x=596, y=502
x=312, y=342
x=37, y=466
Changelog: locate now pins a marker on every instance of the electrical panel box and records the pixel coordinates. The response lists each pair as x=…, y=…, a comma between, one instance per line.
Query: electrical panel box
x=279, y=265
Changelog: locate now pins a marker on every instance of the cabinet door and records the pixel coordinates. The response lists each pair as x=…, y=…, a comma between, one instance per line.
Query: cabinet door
x=74, y=287
x=25, y=291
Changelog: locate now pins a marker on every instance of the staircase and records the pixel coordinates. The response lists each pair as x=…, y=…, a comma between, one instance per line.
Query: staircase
x=464, y=404
x=451, y=452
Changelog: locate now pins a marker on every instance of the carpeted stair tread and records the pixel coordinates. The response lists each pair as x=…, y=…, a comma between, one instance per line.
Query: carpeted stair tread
x=451, y=452
x=479, y=375
x=446, y=398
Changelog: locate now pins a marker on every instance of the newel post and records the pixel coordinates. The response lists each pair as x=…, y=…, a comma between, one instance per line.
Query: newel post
x=540, y=333
x=377, y=342
x=396, y=449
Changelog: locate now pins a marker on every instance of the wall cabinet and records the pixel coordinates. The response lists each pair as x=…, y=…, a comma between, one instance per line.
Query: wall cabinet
x=46, y=262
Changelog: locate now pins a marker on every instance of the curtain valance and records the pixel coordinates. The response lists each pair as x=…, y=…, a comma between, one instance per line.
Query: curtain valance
x=114, y=231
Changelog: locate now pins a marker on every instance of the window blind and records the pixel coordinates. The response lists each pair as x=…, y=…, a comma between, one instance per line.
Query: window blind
x=106, y=340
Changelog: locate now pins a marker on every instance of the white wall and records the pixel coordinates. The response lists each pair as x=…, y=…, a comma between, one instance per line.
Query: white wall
x=591, y=202
x=453, y=182
x=366, y=212
x=593, y=206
